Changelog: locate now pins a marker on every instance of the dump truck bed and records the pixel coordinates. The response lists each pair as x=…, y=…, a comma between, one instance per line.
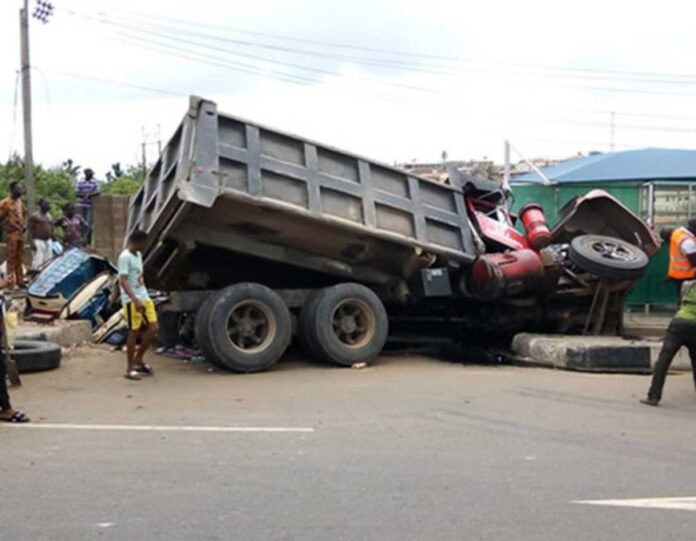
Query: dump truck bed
x=223, y=183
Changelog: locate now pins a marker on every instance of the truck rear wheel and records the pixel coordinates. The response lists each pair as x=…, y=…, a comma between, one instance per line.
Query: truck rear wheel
x=248, y=328
x=201, y=328
x=344, y=324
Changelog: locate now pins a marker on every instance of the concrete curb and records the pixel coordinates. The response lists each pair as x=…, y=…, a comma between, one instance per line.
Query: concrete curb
x=592, y=353
x=64, y=333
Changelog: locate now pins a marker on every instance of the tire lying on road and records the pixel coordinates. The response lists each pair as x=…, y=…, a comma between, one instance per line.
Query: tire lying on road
x=247, y=328
x=344, y=324
x=36, y=356
x=608, y=257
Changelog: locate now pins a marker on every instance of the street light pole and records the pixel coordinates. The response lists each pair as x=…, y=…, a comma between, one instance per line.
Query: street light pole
x=26, y=106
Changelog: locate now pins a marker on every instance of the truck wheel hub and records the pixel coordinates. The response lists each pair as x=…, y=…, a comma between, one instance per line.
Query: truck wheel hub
x=353, y=323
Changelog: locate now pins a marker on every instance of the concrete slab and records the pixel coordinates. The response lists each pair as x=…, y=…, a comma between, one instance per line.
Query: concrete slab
x=583, y=353
x=63, y=333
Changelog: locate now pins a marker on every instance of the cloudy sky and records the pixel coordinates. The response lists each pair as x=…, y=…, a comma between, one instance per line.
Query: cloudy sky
x=397, y=80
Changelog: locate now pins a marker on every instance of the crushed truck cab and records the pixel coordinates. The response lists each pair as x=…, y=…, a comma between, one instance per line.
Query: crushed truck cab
x=252, y=228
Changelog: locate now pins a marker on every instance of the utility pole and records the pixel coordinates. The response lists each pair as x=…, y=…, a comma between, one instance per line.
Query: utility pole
x=613, y=130
x=144, y=148
x=26, y=106
x=507, y=166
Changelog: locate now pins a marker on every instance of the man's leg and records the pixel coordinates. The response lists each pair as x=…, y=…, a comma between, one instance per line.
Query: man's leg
x=133, y=322
x=670, y=347
x=5, y=406
x=131, y=346
x=19, y=262
x=150, y=318
x=146, y=342
x=10, y=273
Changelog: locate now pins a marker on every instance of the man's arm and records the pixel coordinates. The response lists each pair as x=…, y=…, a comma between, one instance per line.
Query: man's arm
x=688, y=248
x=32, y=227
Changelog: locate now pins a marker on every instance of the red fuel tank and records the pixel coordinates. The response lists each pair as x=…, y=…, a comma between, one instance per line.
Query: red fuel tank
x=506, y=275
x=534, y=221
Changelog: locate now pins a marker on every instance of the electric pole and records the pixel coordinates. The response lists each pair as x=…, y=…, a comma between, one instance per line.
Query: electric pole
x=26, y=106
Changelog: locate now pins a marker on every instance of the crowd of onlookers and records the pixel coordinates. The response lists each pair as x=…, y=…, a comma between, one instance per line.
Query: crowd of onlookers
x=40, y=228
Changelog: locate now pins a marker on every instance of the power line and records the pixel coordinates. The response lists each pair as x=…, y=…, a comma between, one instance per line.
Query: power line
x=115, y=82
x=318, y=70
x=393, y=52
x=294, y=65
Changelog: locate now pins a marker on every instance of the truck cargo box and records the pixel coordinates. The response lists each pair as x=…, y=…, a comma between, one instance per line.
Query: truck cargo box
x=223, y=184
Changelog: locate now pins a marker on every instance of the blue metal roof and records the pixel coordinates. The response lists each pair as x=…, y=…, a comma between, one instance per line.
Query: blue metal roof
x=644, y=164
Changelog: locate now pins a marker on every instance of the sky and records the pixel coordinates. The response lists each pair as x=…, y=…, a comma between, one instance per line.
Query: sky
x=395, y=80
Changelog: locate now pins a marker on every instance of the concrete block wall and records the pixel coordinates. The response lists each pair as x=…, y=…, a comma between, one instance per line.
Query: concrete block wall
x=110, y=221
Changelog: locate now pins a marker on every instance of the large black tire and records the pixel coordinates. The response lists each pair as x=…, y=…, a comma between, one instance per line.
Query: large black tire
x=201, y=328
x=36, y=356
x=608, y=257
x=345, y=324
x=305, y=323
x=249, y=327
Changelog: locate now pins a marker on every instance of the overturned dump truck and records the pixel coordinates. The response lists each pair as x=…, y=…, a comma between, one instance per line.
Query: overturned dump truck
x=265, y=235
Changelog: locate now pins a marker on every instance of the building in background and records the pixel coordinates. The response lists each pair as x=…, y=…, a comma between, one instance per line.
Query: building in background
x=657, y=184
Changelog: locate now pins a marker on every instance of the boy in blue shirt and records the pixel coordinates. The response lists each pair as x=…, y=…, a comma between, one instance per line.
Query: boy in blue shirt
x=138, y=308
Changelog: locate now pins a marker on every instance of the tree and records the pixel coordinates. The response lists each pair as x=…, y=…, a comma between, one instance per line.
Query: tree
x=124, y=181
x=55, y=183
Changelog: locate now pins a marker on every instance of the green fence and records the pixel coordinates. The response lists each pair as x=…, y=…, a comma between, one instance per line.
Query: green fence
x=653, y=289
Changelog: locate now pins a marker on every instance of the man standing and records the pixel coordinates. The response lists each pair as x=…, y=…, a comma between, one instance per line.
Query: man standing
x=41, y=235
x=74, y=227
x=138, y=308
x=682, y=254
x=681, y=332
x=86, y=189
x=12, y=212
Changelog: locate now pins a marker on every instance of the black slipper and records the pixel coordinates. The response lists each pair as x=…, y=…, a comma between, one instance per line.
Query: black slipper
x=17, y=417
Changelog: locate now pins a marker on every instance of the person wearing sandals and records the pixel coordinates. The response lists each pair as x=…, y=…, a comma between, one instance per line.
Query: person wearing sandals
x=7, y=413
x=138, y=308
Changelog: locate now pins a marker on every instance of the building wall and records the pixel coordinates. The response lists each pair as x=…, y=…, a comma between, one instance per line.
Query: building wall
x=110, y=222
x=652, y=289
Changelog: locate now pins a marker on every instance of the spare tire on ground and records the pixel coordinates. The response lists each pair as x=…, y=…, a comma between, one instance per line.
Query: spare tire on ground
x=608, y=257
x=36, y=356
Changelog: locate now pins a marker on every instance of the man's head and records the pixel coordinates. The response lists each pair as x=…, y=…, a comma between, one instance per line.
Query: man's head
x=15, y=190
x=137, y=240
x=69, y=210
x=44, y=205
x=691, y=226
x=666, y=234
x=89, y=174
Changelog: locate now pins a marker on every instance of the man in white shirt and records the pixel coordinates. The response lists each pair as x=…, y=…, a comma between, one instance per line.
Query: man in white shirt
x=138, y=308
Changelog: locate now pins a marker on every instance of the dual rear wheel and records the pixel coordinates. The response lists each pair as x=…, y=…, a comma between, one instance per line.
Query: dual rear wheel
x=247, y=327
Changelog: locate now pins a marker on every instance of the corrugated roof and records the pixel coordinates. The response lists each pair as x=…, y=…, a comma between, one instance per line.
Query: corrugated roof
x=643, y=164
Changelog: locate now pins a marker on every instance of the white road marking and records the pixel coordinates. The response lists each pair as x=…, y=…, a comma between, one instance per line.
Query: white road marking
x=679, y=503
x=161, y=428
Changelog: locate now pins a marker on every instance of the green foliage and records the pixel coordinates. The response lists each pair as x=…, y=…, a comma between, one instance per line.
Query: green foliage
x=124, y=182
x=55, y=183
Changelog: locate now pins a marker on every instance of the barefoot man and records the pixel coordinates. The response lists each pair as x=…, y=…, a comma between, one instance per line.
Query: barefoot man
x=138, y=308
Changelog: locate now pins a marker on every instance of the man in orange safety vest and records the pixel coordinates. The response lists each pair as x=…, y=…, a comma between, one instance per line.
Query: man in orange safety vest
x=682, y=254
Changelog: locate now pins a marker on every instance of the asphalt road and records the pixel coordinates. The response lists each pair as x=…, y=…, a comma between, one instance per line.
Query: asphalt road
x=412, y=448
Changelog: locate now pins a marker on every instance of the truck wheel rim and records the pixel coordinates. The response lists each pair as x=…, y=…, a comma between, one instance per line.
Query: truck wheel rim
x=607, y=249
x=353, y=323
x=251, y=326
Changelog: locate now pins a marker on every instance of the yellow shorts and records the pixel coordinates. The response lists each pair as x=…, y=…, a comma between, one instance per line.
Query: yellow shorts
x=135, y=319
